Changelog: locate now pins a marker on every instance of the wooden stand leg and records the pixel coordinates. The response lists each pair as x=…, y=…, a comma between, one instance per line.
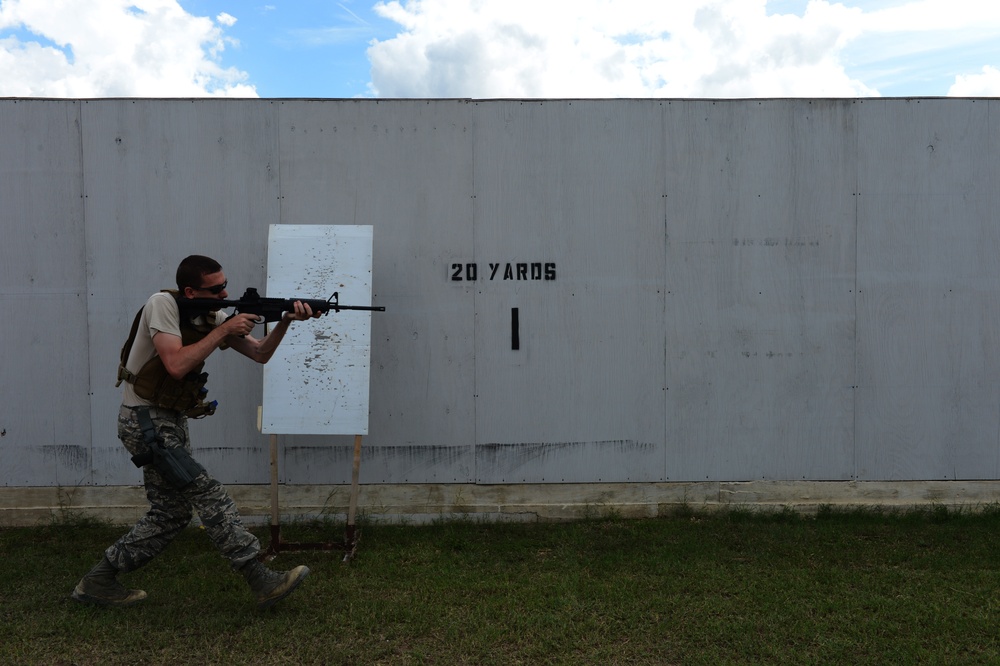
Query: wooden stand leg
x=275, y=544
x=351, y=537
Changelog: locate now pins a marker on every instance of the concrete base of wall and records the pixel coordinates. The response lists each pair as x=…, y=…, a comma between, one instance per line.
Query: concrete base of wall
x=531, y=502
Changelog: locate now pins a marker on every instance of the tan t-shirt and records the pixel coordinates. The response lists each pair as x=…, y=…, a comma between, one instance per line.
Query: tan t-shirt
x=159, y=315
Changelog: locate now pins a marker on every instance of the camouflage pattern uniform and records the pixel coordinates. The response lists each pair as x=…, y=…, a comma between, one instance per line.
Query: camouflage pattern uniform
x=170, y=508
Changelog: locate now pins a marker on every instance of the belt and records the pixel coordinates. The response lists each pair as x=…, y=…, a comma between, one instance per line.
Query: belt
x=154, y=412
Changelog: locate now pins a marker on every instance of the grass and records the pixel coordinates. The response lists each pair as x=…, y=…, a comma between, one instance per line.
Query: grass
x=738, y=587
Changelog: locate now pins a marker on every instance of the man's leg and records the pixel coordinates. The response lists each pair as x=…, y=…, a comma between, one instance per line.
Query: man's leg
x=222, y=523
x=171, y=503
x=169, y=512
x=221, y=519
x=171, y=508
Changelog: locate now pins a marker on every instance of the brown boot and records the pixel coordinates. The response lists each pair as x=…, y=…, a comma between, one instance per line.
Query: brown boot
x=100, y=586
x=268, y=586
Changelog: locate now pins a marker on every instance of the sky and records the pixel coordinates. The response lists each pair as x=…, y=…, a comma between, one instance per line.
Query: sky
x=486, y=49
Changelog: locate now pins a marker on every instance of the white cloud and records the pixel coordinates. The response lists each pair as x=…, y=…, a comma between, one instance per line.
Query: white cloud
x=524, y=48
x=984, y=84
x=938, y=16
x=597, y=48
x=637, y=48
x=113, y=48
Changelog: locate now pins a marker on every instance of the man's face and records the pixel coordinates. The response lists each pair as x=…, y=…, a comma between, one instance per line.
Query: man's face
x=213, y=285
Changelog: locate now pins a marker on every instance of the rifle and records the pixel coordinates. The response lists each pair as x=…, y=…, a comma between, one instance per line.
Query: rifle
x=267, y=309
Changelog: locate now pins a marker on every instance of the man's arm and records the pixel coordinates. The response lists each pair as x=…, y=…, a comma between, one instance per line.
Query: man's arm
x=180, y=359
x=262, y=350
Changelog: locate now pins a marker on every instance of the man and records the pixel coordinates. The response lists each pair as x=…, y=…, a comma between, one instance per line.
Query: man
x=161, y=366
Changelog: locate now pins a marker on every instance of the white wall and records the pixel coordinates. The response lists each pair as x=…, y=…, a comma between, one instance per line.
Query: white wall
x=752, y=289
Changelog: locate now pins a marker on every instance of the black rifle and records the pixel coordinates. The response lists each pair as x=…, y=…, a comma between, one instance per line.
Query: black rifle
x=267, y=309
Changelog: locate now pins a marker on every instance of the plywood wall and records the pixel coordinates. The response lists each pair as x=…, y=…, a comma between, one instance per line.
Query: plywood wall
x=575, y=290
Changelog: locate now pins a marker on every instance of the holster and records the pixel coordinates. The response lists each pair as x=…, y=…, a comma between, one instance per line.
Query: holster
x=175, y=464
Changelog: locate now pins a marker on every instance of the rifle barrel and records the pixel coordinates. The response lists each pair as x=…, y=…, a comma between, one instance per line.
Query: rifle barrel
x=370, y=308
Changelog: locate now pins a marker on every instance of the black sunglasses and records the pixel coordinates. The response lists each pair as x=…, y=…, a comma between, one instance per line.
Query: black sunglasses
x=216, y=289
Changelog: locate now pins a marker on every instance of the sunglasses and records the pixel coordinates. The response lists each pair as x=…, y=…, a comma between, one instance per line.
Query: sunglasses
x=215, y=289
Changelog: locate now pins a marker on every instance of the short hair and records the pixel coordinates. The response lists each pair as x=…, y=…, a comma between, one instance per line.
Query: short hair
x=192, y=269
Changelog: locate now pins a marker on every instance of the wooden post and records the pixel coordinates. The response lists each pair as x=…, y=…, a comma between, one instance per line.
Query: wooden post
x=275, y=544
x=355, y=475
x=275, y=521
x=352, y=539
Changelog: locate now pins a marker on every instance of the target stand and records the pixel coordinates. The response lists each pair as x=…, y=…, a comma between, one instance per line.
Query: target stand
x=317, y=382
x=351, y=534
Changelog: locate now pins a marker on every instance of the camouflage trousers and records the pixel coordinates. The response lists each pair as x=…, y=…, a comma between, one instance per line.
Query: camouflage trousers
x=170, y=508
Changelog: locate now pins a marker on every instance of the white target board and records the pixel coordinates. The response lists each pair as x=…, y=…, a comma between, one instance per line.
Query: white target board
x=317, y=382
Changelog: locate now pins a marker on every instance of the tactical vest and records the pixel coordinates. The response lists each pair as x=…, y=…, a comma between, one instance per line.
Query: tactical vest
x=155, y=384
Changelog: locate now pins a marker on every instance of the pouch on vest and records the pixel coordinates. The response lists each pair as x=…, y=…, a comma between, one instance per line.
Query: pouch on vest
x=186, y=395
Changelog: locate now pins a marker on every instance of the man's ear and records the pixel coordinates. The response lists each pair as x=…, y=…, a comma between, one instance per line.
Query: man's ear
x=188, y=292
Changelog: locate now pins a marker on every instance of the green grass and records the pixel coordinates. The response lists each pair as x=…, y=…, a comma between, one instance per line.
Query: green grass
x=857, y=587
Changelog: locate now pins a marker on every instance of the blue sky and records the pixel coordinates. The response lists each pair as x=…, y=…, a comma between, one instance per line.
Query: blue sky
x=301, y=48
x=499, y=48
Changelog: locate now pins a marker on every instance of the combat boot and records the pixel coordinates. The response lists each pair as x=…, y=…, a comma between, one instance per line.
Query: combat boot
x=268, y=586
x=100, y=586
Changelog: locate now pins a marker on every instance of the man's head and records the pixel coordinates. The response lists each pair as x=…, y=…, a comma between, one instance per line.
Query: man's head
x=201, y=277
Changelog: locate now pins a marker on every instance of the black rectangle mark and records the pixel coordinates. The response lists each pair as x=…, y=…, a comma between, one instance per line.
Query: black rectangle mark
x=515, y=330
